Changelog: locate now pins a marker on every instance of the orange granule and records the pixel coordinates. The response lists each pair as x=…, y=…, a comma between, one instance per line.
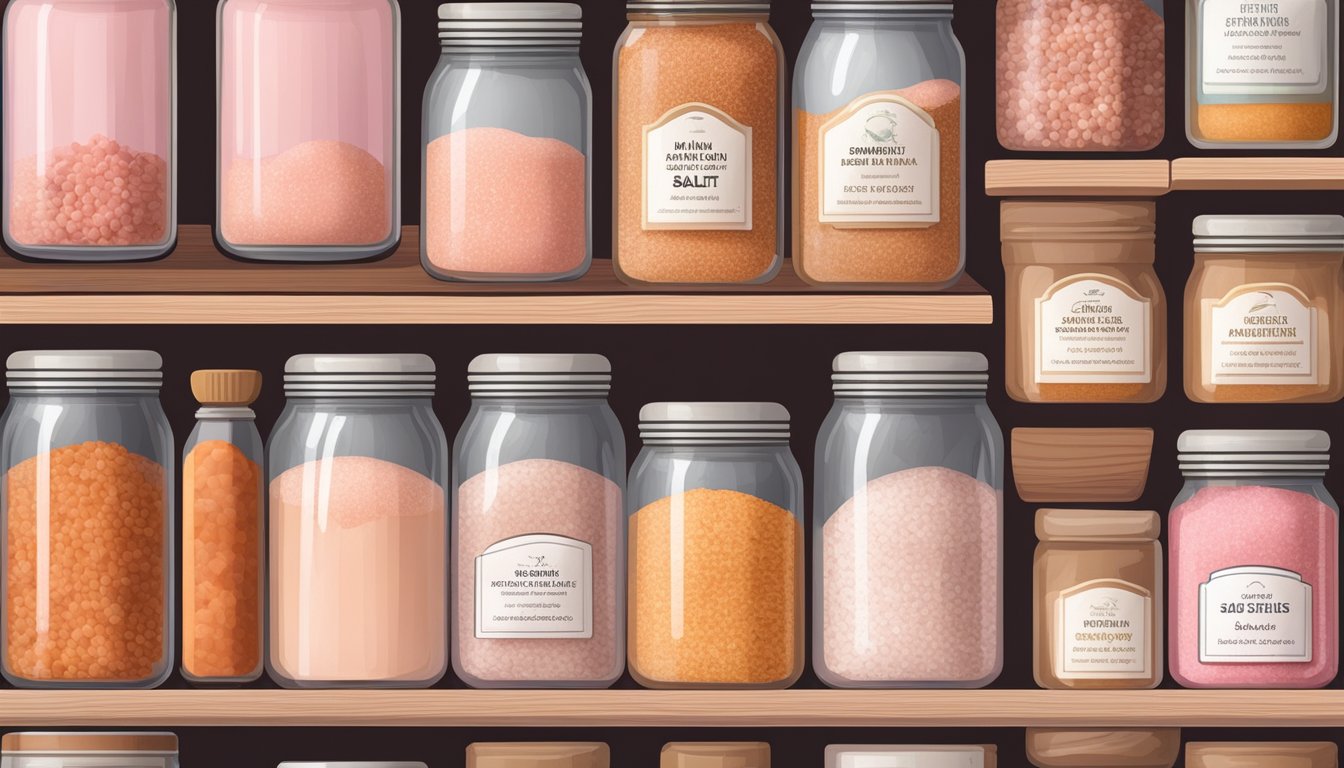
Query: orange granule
x=1265, y=122
x=221, y=562
x=86, y=593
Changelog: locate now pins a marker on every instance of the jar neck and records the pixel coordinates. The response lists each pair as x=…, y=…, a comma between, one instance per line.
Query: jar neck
x=337, y=403
x=689, y=17
x=510, y=53
x=538, y=403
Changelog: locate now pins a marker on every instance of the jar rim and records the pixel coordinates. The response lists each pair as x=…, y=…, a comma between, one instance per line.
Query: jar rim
x=84, y=369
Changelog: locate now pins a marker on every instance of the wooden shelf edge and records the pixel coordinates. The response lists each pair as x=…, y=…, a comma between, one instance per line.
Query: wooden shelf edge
x=1077, y=178
x=1257, y=173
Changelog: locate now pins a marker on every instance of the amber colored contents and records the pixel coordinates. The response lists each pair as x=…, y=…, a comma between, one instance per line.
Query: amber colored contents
x=94, y=545
x=221, y=562
x=1265, y=122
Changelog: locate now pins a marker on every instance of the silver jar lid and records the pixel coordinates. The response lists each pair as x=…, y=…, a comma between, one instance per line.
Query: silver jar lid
x=713, y=423
x=926, y=756
x=696, y=6
x=538, y=25
x=910, y=374
x=1270, y=233
x=864, y=7
x=539, y=375
x=1253, y=452
x=407, y=375
x=84, y=369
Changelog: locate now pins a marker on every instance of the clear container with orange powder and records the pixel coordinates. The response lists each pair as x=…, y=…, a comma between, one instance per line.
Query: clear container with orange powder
x=222, y=535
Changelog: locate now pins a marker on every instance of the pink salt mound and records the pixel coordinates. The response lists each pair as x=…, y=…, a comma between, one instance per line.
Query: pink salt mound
x=539, y=496
x=502, y=203
x=931, y=94
x=97, y=194
x=1226, y=527
x=911, y=574
x=314, y=193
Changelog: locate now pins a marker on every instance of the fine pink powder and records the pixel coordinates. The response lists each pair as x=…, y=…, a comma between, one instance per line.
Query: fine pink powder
x=1230, y=526
x=502, y=203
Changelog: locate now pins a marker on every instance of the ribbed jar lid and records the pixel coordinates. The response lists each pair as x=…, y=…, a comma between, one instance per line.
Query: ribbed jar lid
x=404, y=375
x=696, y=6
x=910, y=374
x=925, y=756
x=84, y=369
x=1092, y=524
x=713, y=423
x=62, y=742
x=1256, y=452
x=823, y=7
x=1232, y=234
x=226, y=388
x=539, y=375
x=510, y=24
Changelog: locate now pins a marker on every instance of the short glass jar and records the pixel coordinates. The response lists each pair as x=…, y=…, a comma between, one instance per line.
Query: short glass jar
x=1254, y=578
x=539, y=478
x=1263, y=308
x=885, y=502
x=1086, y=315
x=89, y=749
x=79, y=420
x=716, y=548
x=879, y=175
x=358, y=514
x=508, y=127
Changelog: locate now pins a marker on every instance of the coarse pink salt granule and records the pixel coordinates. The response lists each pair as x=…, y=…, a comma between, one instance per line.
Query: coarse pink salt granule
x=911, y=580
x=314, y=193
x=101, y=193
x=547, y=497
x=502, y=203
x=1232, y=526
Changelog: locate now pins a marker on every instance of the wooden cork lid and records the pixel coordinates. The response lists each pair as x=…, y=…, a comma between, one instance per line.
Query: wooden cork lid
x=56, y=741
x=226, y=388
x=555, y=754
x=720, y=754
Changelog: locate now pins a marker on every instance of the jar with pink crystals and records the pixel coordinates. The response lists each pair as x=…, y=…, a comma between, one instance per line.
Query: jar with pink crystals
x=89, y=132
x=1254, y=561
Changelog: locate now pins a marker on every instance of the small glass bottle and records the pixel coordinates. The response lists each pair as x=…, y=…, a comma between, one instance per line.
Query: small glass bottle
x=223, y=539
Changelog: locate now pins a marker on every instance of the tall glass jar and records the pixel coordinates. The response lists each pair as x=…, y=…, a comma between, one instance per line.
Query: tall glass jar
x=309, y=162
x=1254, y=572
x=87, y=504
x=699, y=150
x=716, y=548
x=358, y=525
x=90, y=129
x=90, y=749
x=879, y=153
x=508, y=119
x=910, y=481
x=539, y=477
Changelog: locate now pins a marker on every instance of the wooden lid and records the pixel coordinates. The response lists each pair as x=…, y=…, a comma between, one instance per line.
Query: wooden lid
x=1127, y=747
x=36, y=741
x=226, y=388
x=555, y=754
x=716, y=754
x=1091, y=524
x=1261, y=754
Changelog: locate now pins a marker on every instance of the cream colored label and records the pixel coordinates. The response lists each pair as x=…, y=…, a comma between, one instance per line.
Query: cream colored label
x=1104, y=631
x=914, y=758
x=880, y=165
x=1273, y=47
x=1093, y=329
x=1264, y=333
x=697, y=170
x=535, y=586
x=1254, y=614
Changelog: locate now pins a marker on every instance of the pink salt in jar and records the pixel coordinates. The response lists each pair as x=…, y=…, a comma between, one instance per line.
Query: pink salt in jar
x=1254, y=562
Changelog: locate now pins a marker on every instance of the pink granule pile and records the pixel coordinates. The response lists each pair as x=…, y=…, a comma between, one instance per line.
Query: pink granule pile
x=911, y=574
x=1080, y=74
x=97, y=194
x=1231, y=526
x=314, y=193
x=502, y=203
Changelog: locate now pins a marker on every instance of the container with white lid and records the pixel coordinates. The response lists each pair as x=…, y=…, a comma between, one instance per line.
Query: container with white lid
x=89, y=749
x=930, y=756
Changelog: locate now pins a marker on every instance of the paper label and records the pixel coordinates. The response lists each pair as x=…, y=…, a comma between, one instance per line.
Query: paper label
x=1254, y=614
x=880, y=165
x=535, y=586
x=1262, y=334
x=1104, y=631
x=1274, y=47
x=914, y=758
x=1093, y=329
x=697, y=170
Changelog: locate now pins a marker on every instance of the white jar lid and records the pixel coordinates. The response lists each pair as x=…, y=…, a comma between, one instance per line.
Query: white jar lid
x=401, y=375
x=510, y=24
x=84, y=369
x=708, y=423
x=1254, y=452
x=539, y=375
x=930, y=756
x=910, y=374
x=880, y=6
x=1305, y=233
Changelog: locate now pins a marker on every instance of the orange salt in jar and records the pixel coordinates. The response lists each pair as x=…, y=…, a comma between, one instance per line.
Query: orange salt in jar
x=222, y=539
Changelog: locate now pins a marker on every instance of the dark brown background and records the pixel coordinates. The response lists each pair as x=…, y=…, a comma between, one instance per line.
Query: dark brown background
x=785, y=363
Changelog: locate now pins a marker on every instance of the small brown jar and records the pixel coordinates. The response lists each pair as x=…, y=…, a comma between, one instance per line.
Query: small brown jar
x=1086, y=314
x=1098, y=599
x=1118, y=748
x=1262, y=310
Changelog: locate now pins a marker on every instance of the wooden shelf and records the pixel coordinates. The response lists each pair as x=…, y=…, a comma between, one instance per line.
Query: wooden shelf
x=197, y=284
x=1077, y=178
x=1257, y=173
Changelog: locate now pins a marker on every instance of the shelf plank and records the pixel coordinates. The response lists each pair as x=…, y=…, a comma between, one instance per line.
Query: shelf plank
x=1077, y=178
x=1257, y=173
x=197, y=284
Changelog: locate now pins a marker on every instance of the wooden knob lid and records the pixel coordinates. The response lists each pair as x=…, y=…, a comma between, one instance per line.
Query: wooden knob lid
x=226, y=388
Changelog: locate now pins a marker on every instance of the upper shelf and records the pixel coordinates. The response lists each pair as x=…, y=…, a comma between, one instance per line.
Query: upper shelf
x=196, y=284
x=1154, y=178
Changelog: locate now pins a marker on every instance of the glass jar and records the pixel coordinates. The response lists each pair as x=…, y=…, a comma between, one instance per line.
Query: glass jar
x=925, y=756
x=1086, y=315
x=1262, y=310
x=90, y=142
x=87, y=447
x=309, y=129
x=508, y=154
x=223, y=542
x=698, y=144
x=880, y=86
x=358, y=525
x=930, y=507
x=1116, y=748
x=89, y=749
x=1262, y=75
x=1085, y=76
x=716, y=548
x=1254, y=539
x=539, y=473
x=555, y=754
x=1098, y=599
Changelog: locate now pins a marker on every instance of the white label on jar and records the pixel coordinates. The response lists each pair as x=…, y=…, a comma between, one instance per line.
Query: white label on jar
x=1254, y=614
x=1093, y=329
x=1104, y=632
x=880, y=165
x=535, y=586
x=1262, y=334
x=912, y=758
x=697, y=170
x=1275, y=47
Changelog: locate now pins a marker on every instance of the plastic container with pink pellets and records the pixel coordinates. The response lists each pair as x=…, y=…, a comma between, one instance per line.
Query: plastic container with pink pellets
x=89, y=129
x=1254, y=576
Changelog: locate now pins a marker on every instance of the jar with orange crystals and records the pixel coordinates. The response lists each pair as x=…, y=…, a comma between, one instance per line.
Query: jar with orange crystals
x=88, y=520
x=698, y=154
